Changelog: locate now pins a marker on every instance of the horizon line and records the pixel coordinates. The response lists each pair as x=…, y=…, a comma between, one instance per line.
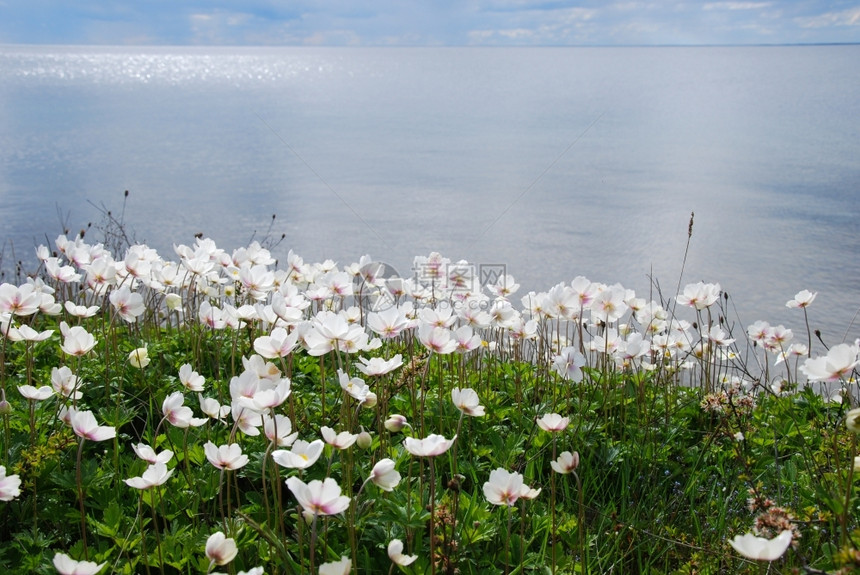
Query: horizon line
x=360, y=46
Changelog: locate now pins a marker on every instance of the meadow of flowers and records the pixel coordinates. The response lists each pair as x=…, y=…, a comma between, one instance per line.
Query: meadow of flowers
x=215, y=411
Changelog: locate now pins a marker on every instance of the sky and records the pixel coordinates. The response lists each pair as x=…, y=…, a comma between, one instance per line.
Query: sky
x=428, y=22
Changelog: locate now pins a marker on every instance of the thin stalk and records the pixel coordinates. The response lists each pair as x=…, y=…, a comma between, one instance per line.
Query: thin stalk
x=79, y=481
x=581, y=520
x=552, y=505
x=808, y=333
x=432, y=516
x=157, y=533
x=849, y=488
x=509, y=511
x=221, y=500
x=313, y=542
x=142, y=533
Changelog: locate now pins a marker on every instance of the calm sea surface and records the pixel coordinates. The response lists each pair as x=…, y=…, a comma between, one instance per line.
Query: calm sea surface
x=553, y=162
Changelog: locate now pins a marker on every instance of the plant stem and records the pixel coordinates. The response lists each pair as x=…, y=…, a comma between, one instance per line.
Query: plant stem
x=79, y=481
x=432, y=515
x=157, y=534
x=849, y=489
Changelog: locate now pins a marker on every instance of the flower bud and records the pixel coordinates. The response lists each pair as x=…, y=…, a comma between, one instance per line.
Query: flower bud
x=173, y=301
x=364, y=440
x=395, y=423
x=139, y=358
x=370, y=400
x=5, y=407
x=852, y=420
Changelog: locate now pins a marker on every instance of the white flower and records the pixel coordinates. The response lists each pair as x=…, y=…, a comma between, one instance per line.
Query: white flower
x=384, y=475
x=220, y=549
x=65, y=383
x=699, y=295
x=84, y=425
x=318, y=497
x=840, y=361
x=190, y=379
x=279, y=429
x=178, y=414
x=342, y=567
x=341, y=440
x=65, y=565
x=301, y=456
x=430, y=446
x=355, y=387
x=527, y=492
x=801, y=299
x=36, y=394
x=173, y=301
x=378, y=366
x=553, y=422
x=264, y=399
x=395, y=553
x=228, y=456
x=139, y=358
x=76, y=340
x=467, y=401
x=504, y=487
x=279, y=344
x=155, y=474
x=129, y=305
x=9, y=485
x=762, y=549
x=212, y=408
x=569, y=363
x=148, y=454
x=567, y=462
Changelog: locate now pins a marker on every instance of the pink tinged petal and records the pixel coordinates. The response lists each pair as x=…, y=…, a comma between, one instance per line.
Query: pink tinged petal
x=384, y=475
x=467, y=401
x=566, y=462
x=85, y=426
x=227, y=457
x=318, y=497
x=430, y=446
x=148, y=454
x=220, y=549
x=503, y=487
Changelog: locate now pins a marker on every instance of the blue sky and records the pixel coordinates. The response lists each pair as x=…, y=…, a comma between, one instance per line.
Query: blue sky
x=427, y=22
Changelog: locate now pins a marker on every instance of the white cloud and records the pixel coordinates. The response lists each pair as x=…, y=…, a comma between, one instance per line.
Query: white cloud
x=736, y=5
x=571, y=14
x=517, y=34
x=849, y=17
